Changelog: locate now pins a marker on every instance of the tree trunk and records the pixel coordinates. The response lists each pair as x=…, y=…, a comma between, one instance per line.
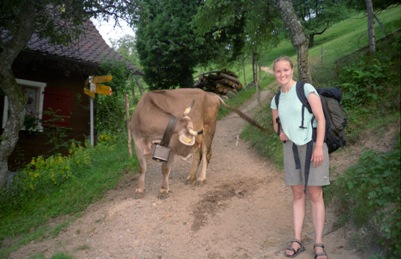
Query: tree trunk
x=127, y=115
x=311, y=43
x=298, y=37
x=140, y=87
x=371, y=29
x=255, y=76
x=8, y=85
x=243, y=69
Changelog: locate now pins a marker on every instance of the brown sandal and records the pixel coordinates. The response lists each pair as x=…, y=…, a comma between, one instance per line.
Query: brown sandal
x=296, y=252
x=320, y=254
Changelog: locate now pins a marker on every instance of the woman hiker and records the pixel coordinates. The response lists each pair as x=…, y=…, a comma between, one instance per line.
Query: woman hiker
x=295, y=145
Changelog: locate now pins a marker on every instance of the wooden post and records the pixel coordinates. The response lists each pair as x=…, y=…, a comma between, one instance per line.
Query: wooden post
x=129, y=132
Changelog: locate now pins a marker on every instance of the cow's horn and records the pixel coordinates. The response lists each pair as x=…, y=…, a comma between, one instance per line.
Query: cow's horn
x=187, y=111
x=190, y=127
x=189, y=108
x=192, y=131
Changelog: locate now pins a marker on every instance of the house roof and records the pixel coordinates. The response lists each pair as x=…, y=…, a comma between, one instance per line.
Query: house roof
x=90, y=48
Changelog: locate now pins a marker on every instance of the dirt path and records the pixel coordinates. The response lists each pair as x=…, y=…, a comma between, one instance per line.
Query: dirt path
x=243, y=211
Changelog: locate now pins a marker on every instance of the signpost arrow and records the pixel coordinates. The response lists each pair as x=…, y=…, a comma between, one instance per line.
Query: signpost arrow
x=89, y=92
x=101, y=79
x=103, y=89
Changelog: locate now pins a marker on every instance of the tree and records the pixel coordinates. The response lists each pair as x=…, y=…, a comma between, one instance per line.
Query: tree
x=260, y=26
x=126, y=46
x=60, y=21
x=241, y=28
x=371, y=29
x=318, y=15
x=298, y=37
x=167, y=47
x=369, y=8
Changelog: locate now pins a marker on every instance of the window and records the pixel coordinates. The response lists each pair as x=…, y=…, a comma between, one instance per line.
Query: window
x=34, y=106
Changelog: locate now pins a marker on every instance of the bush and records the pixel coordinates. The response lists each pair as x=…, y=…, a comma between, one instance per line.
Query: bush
x=369, y=194
x=42, y=176
x=371, y=88
x=370, y=79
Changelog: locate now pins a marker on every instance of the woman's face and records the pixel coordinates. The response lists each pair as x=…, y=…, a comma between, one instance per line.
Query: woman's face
x=283, y=72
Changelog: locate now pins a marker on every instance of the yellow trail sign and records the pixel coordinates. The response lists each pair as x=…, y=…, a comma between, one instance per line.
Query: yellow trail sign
x=103, y=89
x=89, y=92
x=102, y=79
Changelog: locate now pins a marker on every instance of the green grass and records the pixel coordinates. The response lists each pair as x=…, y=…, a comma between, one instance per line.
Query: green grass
x=351, y=35
x=28, y=219
x=340, y=39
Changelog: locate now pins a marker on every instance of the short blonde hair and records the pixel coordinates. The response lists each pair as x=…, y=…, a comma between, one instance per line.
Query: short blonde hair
x=283, y=58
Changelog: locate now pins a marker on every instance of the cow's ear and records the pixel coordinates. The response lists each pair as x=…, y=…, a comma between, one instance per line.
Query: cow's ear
x=186, y=138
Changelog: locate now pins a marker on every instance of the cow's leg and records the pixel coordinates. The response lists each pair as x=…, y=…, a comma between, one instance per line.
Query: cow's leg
x=209, y=154
x=166, y=169
x=204, y=162
x=206, y=152
x=196, y=158
x=142, y=167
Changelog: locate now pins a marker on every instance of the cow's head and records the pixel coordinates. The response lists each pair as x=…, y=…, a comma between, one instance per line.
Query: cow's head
x=187, y=134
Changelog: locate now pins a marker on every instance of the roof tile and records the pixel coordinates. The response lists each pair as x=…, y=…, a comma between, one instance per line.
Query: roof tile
x=90, y=47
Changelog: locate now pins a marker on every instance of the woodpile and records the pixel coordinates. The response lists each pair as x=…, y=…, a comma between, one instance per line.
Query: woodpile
x=222, y=82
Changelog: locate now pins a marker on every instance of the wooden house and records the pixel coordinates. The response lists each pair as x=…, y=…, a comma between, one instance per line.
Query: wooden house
x=53, y=79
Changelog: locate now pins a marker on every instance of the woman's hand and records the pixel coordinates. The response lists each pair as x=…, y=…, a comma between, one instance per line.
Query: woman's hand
x=317, y=156
x=283, y=137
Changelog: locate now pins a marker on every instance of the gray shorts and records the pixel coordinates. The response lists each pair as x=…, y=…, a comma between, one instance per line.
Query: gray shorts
x=318, y=176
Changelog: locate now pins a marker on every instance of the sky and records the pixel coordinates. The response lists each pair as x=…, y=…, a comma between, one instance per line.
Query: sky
x=107, y=30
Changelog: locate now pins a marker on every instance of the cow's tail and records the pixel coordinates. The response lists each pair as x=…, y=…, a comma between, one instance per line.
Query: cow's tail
x=243, y=116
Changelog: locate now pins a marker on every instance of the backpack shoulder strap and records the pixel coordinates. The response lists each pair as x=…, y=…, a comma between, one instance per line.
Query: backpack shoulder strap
x=277, y=98
x=301, y=95
x=305, y=104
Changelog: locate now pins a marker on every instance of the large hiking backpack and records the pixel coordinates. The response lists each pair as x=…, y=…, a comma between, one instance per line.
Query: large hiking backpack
x=336, y=119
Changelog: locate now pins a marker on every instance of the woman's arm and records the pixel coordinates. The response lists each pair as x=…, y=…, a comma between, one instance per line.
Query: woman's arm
x=282, y=136
x=274, y=117
x=317, y=109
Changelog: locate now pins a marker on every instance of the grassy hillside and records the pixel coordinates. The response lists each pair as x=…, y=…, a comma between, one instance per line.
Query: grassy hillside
x=340, y=39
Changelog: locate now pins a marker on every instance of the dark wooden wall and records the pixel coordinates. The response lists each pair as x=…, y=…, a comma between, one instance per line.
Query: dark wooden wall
x=63, y=94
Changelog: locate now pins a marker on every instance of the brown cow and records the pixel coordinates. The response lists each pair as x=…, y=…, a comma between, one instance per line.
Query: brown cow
x=196, y=116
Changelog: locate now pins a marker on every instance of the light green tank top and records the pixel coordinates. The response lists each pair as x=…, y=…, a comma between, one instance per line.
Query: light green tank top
x=290, y=113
